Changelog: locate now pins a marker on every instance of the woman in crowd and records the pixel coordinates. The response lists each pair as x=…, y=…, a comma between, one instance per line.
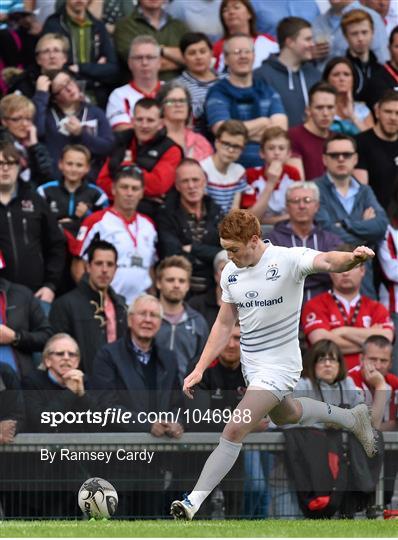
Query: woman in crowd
x=64, y=117
x=352, y=117
x=176, y=106
x=239, y=17
x=17, y=127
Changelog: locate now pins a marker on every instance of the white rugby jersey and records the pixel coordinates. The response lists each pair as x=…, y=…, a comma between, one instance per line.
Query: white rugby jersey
x=268, y=298
x=134, y=241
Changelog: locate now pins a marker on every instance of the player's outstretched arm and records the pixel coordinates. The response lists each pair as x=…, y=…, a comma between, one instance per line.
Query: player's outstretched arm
x=217, y=341
x=339, y=261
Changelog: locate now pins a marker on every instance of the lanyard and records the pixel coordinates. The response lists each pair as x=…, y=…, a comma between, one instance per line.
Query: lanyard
x=126, y=225
x=321, y=393
x=343, y=312
x=391, y=72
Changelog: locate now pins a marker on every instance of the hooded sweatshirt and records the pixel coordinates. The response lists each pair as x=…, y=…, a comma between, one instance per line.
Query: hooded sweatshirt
x=292, y=86
x=283, y=235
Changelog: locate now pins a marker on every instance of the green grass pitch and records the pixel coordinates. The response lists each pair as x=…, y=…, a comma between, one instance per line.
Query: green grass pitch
x=227, y=528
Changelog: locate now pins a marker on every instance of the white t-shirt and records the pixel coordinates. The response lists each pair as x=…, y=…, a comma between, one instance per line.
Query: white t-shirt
x=268, y=298
x=134, y=241
x=120, y=106
x=222, y=187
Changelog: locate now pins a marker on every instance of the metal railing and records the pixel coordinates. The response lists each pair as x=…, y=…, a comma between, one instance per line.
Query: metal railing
x=26, y=479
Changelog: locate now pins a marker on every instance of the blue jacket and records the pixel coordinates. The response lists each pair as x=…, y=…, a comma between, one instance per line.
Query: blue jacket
x=225, y=101
x=351, y=228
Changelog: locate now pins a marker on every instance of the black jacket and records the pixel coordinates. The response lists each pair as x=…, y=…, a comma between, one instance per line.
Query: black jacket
x=174, y=233
x=41, y=394
x=74, y=313
x=96, y=75
x=365, y=72
x=25, y=316
x=120, y=380
x=31, y=242
x=11, y=399
x=37, y=157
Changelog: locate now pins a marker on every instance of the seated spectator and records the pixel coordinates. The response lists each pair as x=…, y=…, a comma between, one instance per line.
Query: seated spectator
x=290, y=73
x=226, y=179
x=358, y=28
x=388, y=259
x=388, y=78
x=240, y=97
x=345, y=316
x=63, y=117
x=325, y=379
x=144, y=64
x=51, y=52
x=380, y=390
x=128, y=372
x=136, y=376
x=388, y=11
x=198, y=76
x=209, y=302
x=149, y=17
x=133, y=235
x=24, y=328
x=32, y=248
x=73, y=197
x=239, y=17
x=198, y=16
x=271, y=12
x=347, y=207
x=16, y=115
x=93, y=314
x=12, y=408
x=309, y=138
x=187, y=224
x=176, y=107
x=300, y=229
x=147, y=146
x=329, y=24
x=267, y=185
x=351, y=116
x=59, y=386
x=184, y=331
x=377, y=150
x=91, y=55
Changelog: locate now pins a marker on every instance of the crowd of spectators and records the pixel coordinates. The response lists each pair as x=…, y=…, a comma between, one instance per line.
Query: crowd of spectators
x=128, y=128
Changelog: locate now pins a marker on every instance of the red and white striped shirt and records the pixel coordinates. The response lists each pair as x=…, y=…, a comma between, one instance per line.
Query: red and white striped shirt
x=388, y=257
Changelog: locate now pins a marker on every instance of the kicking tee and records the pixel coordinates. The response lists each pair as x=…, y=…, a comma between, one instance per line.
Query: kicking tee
x=268, y=298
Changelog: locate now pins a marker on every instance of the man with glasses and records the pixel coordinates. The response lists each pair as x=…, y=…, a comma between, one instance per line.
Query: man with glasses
x=347, y=207
x=240, y=97
x=150, y=18
x=302, y=204
x=51, y=53
x=91, y=55
x=32, y=247
x=139, y=377
x=144, y=65
x=60, y=386
x=345, y=316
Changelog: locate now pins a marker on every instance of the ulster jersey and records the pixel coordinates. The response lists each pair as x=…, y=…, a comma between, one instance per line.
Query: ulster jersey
x=268, y=298
x=134, y=241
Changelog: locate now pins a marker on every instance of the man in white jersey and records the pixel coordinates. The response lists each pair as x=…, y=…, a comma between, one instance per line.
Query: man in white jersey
x=263, y=286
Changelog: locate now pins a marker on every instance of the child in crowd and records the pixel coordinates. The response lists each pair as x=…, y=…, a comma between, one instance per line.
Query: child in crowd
x=73, y=198
x=226, y=179
x=267, y=185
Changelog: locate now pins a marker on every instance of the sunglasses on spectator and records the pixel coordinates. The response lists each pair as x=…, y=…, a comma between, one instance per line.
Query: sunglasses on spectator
x=130, y=170
x=232, y=147
x=298, y=200
x=337, y=155
x=61, y=354
x=9, y=163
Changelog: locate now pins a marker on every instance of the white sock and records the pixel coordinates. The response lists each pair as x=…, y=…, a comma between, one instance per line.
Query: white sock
x=317, y=411
x=218, y=465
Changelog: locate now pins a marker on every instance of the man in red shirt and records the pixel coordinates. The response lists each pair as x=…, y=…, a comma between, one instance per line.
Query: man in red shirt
x=345, y=316
x=308, y=139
